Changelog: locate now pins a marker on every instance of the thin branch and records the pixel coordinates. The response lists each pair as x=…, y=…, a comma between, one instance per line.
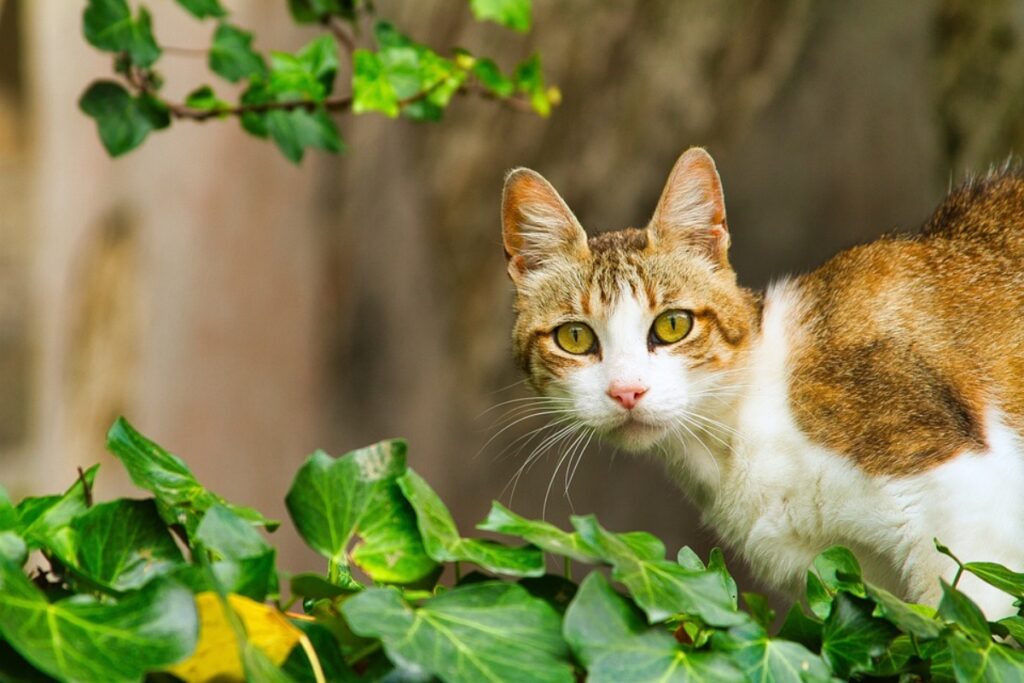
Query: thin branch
x=340, y=32
x=181, y=111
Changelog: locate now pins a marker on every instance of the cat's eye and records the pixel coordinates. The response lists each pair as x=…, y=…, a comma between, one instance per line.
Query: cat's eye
x=671, y=326
x=575, y=338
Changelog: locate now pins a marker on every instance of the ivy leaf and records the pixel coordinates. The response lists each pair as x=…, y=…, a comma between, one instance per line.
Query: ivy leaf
x=490, y=76
x=903, y=615
x=313, y=11
x=852, y=637
x=615, y=644
x=990, y=662
x=443, y=543
x=766, y=660
x=46, y=522
x=224, y=654
x=8, y=515
x=839, y=571
x=961, y=610
x=818, y=596
x=403, y=71
x=202, y=9
x=489, y=631
x=314, y=586
x=371, y=88
x=662, y=588
x=513, y=14
x=999, y=576
x=232, y=56
x=541, y=534
x=204, y=99
x=180, y=498
x=109, y=26
x=83, y=640
x=1015, y=627
x=244, y=562
x=13, y=548
x=529, y=79
x=759, y=609
x=123, y=544
x=333, y=501
x=123, y=121
x=801, y=628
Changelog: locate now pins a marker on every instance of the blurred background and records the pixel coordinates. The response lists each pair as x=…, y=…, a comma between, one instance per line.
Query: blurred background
x=242, y=311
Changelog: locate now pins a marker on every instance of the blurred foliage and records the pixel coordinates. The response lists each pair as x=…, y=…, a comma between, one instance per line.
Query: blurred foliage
x=290, y=97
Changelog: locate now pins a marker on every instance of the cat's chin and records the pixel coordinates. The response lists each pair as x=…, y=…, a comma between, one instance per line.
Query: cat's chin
x=636, y=435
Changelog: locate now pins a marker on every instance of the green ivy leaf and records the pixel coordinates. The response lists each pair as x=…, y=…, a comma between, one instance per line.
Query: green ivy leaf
x=759, y=609
x=8, y=515
x=232, y=56
x=46, y=522
x=83, y=640
x=109, y=26
x=13, y=548
x=661, y=588
x=123, y=121
x=123, y=544
x=313, y=11
x=403, y=71
x=904, y=616
x=180, y=498
x=766, y=660
x=541, y=534
x=852, y=637
x=201, y=9
x=529, y=79
x=333, y=501
x=489, y=631
x=988, y=663
x=999, y=576
x=371, y=87
x=1015, y=627
x=615, y=644
x=818, y=596
x=443, y=543
x=490, y=76
x=315, y=586
x=961, y=610
x=244, y=561
x=513, y=14
x=839, y=571
x=801, y=628
x=204, y=99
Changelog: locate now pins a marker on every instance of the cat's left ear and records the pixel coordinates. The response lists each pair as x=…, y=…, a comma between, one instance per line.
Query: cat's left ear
x=691, y=211
x=537, y=225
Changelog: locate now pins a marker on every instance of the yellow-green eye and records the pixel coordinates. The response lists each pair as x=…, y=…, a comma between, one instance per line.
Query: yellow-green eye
x=671, y=326
x=575, y=338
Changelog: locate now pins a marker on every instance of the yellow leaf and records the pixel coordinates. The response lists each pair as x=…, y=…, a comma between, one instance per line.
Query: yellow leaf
x=217, y=656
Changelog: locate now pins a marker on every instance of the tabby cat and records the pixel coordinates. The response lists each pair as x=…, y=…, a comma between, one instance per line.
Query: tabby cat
x=876, y=402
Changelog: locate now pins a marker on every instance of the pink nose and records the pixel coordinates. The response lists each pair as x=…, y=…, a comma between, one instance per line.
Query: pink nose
x=627, y=394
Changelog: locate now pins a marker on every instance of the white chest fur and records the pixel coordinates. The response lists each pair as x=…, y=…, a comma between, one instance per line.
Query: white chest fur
x=779, y=499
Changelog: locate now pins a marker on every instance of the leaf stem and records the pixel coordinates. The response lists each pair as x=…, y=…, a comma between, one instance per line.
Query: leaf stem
x=86, y=488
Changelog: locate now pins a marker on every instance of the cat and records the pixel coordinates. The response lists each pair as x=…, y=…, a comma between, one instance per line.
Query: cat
x=876, y=402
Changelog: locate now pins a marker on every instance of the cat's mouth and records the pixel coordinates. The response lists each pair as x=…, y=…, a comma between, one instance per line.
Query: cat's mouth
x=636, y=434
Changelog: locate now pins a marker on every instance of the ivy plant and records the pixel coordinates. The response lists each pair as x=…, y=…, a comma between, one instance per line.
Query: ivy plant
x=182, y=585
x=292, y=98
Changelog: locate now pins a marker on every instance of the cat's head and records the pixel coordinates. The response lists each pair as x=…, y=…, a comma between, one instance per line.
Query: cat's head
x=634, y=329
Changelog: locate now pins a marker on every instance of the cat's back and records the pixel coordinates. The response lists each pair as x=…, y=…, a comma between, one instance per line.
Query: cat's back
x=906, y=348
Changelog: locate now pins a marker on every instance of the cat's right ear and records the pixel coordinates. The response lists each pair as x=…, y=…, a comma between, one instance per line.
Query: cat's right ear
x=537, y=225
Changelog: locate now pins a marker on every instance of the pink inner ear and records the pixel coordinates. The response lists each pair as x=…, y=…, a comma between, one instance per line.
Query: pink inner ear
x=691, y=210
